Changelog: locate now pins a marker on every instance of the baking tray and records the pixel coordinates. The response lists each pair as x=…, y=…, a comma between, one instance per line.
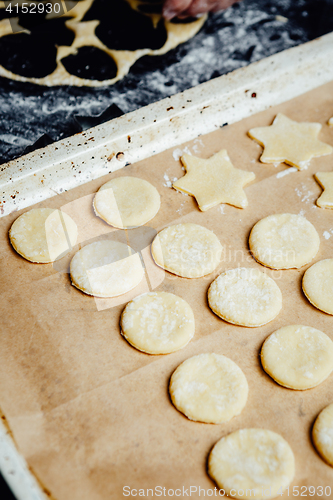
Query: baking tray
x=142, y=134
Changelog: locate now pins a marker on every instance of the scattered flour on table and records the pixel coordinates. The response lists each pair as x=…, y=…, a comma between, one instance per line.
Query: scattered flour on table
x=304, y=193
x=286, y=172
x=328, y=234
x=281, y=19
x=180, y=209
x=177, y=153
x=198, y=144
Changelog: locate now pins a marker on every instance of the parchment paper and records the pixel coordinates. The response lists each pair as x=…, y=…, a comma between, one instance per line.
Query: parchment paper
x=91, y=414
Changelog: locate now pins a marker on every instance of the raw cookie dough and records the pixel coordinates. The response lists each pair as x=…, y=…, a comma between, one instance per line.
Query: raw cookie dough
x=209, y=388
x=214, y=181
x=298, y=357
x=245, y=297
x=127, y=202
x=325, y=180
x=318, y=285
x=284, y=241
x=187, y=250
x=43, y=235
x=106, y=268
x=252, y=463
x=85, y=36
x=322, y=434
x=157, y=323
x=290, y=142
x=330, y=122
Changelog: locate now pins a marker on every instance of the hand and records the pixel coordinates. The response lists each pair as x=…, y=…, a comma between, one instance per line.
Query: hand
x=191, y=8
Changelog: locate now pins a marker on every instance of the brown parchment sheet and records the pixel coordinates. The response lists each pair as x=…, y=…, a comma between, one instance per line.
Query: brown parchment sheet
x=91, y=414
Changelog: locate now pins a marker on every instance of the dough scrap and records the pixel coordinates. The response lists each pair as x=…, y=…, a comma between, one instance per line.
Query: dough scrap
x=252, y=459
x=284, y=241
x=318, y=285
x=209, y=388
x=127, y=202
x=43, y=235
x=298, y=357
x=290, y=142
x=322, y=434
x=325, y=180
x=157, y=323
x=187, y=250
x=245, y=297
x=106, y=268
x=85, y=37
x=214, y=181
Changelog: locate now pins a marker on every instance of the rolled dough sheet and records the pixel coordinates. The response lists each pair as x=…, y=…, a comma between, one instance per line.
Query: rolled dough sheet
x=84, y=32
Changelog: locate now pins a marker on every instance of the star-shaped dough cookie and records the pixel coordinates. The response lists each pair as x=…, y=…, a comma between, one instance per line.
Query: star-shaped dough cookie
x=325, y=180
x=290, y=142
x=214, y=181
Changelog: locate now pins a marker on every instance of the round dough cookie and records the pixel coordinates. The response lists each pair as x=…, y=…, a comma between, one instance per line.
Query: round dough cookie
x=317, y=285
x=127, y=202
x=298, y=357
x=187, y=250
x=209, y=388
x=106, y=268
x=322, y=434
x=245, y=297
x=157, y=323
x=284, y=241
x=43, y=235
x=252, y=463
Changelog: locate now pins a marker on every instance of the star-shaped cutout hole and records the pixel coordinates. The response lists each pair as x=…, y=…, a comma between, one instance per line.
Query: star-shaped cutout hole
x=325, y=180
x=290, y=142
x=214, y=181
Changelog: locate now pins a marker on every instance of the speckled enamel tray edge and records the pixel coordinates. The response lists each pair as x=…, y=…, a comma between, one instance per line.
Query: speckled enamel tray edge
x=141, y=134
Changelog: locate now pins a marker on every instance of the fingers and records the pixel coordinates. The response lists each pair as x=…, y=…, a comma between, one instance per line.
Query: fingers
x=172, y=8
x=191, y=8
x=224, y=4
x=199, y=7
